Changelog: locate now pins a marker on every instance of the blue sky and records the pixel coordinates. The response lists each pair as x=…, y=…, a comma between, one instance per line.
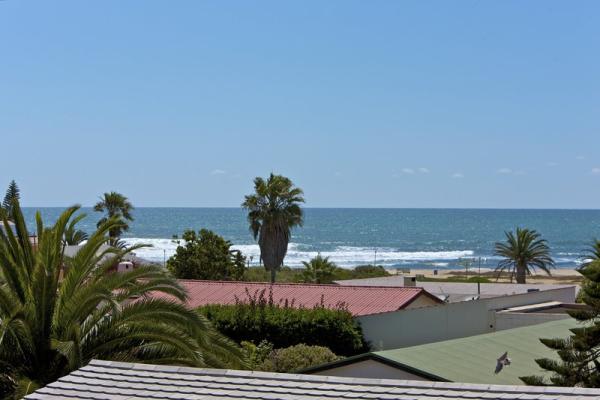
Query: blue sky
x=362, y=104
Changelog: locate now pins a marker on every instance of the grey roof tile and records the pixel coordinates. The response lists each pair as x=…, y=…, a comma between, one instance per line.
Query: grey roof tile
x=104, y=380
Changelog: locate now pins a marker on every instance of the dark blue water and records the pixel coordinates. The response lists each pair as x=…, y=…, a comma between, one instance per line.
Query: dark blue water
x=417, y=238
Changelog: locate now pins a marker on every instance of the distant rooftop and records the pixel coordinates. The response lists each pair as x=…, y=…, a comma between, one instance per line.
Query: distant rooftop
x=455, y=291
x=359, y=300
x=124, y=381
x=473, y=359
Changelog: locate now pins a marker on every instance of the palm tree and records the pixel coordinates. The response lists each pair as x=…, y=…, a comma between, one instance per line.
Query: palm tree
x=273, y=210
x=74, y=236
x=116, y=206
x=523, y=251
x=57, y=313
x=319, y=270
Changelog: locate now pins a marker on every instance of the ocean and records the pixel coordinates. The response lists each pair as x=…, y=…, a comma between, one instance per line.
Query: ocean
x=402, y=238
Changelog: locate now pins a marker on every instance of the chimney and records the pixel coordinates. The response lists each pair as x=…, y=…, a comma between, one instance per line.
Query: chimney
x=410, y=281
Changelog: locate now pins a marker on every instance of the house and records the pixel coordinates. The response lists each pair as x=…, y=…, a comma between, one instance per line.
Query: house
x=129, y=262
x=497, y=308
x=453, y=292
x=472, y=359
x=119, y=381
x=358, y=300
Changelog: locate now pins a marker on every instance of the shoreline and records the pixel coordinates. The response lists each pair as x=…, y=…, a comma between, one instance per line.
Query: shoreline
x=558, y=275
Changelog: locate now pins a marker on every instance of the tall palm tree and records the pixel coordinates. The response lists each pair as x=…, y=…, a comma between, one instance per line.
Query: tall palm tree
x=116, y=206
x=522, y=251
x=57, y=313
x=273, y=210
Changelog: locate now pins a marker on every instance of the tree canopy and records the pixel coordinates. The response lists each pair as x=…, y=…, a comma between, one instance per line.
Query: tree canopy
x=579, y=354
x=12, y=194
x=206, y=255
x=118, y=208
x=523, y=251
x=273, y=210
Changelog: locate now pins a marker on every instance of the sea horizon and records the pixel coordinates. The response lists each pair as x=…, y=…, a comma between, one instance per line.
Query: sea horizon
x=417, y=238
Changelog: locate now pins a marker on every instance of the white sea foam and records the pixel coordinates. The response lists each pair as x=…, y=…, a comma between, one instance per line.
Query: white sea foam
x=345, y=256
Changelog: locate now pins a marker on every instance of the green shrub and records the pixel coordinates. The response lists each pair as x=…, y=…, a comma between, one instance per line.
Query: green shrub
x=360, y=272
x=256, y=355
x=295, y=275
x=282, y=325
x=295, y=358
x=206, y=255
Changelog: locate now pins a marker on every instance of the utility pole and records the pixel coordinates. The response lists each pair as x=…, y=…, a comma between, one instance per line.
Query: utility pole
x=479, y=279
x=375, y=259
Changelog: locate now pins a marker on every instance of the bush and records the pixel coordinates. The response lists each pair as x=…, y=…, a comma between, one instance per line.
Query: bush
x=360, y=272
x=285, y=326
x=206, y=256
x=295, y=275
x=295, y=358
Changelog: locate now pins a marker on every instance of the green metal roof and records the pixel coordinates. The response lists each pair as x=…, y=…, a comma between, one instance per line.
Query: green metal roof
x=473, y=359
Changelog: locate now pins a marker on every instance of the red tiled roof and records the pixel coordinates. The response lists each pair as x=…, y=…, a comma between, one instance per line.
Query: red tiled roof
x=360, y=300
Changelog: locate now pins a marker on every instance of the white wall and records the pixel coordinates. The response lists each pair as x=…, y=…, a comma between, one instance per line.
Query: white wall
x=450, y=321
x=509, y=320
x=370, y=369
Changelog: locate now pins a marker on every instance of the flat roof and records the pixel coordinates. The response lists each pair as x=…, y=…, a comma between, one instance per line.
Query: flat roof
x=457, y=291
x=360, y=300
x=474, y=359
x=126, y=381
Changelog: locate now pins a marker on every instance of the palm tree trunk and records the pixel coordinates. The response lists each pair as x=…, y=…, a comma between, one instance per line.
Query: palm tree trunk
x=273, y=272
x=521, y=273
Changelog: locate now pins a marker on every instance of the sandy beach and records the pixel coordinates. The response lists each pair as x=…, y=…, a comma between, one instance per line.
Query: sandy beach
x=562, y=275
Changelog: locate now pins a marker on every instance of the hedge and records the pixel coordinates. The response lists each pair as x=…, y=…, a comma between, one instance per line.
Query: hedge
x=284, y=326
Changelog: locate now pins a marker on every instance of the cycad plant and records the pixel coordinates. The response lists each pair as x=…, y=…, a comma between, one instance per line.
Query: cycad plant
x=58, y=313
x=523, y=251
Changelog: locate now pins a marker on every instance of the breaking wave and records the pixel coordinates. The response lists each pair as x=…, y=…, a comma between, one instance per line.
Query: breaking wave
x=344, y=256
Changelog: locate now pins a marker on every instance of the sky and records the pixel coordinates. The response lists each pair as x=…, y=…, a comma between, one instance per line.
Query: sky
x=362, y=104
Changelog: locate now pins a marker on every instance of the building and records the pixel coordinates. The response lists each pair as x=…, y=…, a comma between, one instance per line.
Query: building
x=472, y=359
x=469, y=309
x=358, y=300
x=104, y=380
x=453, y=292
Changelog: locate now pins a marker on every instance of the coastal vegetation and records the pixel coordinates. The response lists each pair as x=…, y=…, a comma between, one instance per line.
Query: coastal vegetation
x=208, y=256
x=259, y=318
x=273, y=210
x=12, y=194
x=118, y=208
x=318, y=270
x=57, y=313
x=298, y=275
x=578, y=362
x=523, y=251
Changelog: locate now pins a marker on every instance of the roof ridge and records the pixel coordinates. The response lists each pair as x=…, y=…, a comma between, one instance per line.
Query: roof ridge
x=397, y=383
